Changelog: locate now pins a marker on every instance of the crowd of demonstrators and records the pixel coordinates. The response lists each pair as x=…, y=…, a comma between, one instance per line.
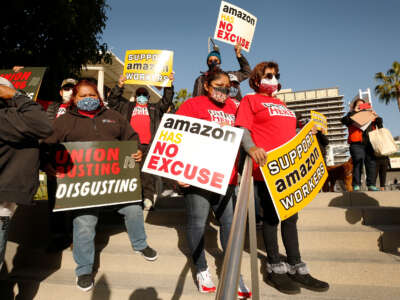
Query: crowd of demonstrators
x=199, y=201
x=264, y=131
x=22, y=123
x=214, y=62
x=144, y=117
x=361, y=150
x=86, y=110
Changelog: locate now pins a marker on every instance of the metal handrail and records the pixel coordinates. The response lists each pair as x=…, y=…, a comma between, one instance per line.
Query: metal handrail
x=228, y=283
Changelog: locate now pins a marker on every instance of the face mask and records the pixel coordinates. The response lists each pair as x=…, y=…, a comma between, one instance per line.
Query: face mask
x=219, y=94
x=213, y=64
x=233, y=91
x=88, y=104
x=142, y=99
x=268, y=86
x=66, y=96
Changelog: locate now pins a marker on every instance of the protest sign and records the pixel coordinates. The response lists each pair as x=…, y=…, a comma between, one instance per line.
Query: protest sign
x=27, y=79
x=152, y=67
x=320, y=121
x=295, y=173
x=235, y=25
x=91, y=174
x=194, y=151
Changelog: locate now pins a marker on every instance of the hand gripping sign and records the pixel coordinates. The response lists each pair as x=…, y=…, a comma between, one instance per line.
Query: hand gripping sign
x=295, y=173
x=151, y=67
x=235, y=25
x=194, y=151
x=94, y=174
x=320, y=121
x=27, y=79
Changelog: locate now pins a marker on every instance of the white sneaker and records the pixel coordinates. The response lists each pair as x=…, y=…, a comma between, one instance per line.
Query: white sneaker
x=147, y=204
x=243, y=291
x=205, y=283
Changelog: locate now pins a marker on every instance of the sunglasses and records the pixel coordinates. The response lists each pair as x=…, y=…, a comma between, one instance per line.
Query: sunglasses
x=142, y=94
x=67, y=88
x=270, y=76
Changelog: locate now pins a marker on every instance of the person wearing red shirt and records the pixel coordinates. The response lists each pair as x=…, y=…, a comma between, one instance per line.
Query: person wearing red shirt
x=144, y=117
x=215, y=107
x=268, y=124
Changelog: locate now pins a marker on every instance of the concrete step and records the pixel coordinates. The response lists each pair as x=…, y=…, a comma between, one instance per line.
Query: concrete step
x=178, y=280
x=346, y=199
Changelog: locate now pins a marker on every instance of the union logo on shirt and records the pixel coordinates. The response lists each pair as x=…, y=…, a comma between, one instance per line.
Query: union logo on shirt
x=140, y=111
x=61, y=111
x=221, y=117
x=278, y=110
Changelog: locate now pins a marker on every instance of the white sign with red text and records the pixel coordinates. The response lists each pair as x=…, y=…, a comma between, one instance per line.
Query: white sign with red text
x=235, y=25
x=194, y=151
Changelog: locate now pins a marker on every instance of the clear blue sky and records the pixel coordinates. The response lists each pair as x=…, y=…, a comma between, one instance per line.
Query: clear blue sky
x=317, y=43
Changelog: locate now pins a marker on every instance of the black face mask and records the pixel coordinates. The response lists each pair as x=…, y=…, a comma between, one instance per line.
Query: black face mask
x=213, y=64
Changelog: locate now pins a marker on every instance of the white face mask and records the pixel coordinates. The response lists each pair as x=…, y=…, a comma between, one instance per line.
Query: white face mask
x=66, y=96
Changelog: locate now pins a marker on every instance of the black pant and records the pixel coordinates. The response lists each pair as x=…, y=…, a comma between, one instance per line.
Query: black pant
x=58, y=221
x=270, y=229
x=148, y=180
x=363, y=154
x=381, y=169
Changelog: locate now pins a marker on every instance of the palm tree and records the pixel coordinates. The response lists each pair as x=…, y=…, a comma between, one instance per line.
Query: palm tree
x=389, y=89
x=181, y=96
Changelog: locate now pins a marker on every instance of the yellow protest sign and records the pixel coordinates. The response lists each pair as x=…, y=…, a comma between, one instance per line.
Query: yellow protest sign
x=152, y=67
x=320, y=121
x=295, y=173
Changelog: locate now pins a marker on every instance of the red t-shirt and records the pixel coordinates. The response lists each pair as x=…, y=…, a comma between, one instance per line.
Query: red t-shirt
x=269, y=121
x=203, y=108
x=140, y=122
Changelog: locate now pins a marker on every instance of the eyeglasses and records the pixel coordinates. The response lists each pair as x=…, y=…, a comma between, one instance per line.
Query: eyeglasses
x=142, y=94
x=270, y=75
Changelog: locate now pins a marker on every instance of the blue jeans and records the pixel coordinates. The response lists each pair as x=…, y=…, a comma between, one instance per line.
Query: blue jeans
x=4, y=227
x=198, y=203
x=84, y=231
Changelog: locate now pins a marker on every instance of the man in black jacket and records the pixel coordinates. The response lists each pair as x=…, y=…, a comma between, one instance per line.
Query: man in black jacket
x=56, y=108
x=144, y=117
x=22, y=123
x=214, y=61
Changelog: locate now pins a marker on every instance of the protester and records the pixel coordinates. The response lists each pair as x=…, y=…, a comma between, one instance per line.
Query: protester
x=198, y=201
x=264, y=131
x=382, y=165
x=58, y=108
x=87, y=111
x=59, y=230
x=144, y=118
x=361, y=150
x=322, y=139
x=22, y=123
x=213, y=62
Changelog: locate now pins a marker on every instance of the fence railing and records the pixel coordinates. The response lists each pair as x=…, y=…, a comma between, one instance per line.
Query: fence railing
x=228, y=283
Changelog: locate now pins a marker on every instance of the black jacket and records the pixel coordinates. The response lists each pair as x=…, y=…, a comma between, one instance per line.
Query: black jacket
x=22, y=123
x=156, y=110
x=52, y=110
x=242, y=74
x=107, y=125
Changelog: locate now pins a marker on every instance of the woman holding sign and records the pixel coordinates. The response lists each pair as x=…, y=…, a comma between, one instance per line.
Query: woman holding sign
x=86, y=111
x=268, y=124
x=215, y=107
